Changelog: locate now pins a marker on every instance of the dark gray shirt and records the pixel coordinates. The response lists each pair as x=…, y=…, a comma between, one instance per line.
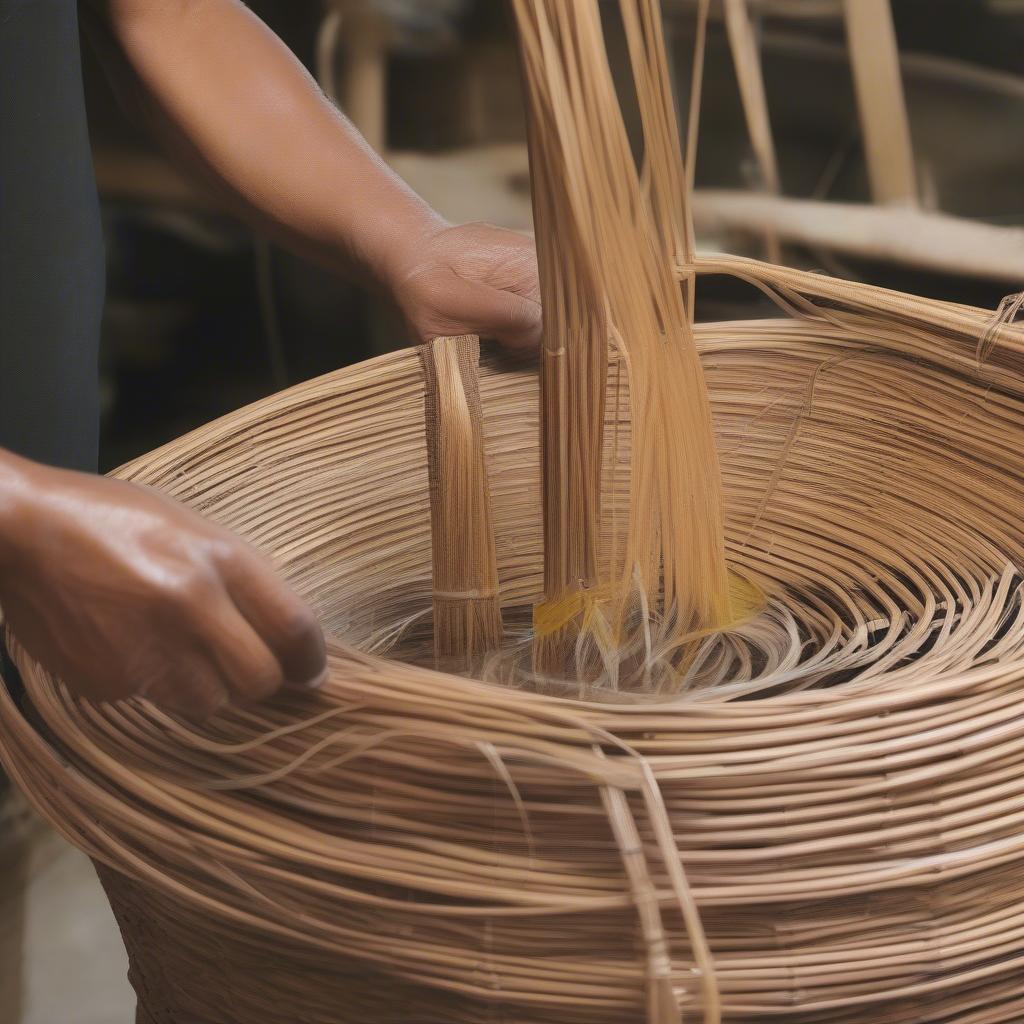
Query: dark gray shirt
x=51, y=246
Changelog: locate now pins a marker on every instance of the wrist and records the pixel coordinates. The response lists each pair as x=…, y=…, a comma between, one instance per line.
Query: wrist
x=385, y=237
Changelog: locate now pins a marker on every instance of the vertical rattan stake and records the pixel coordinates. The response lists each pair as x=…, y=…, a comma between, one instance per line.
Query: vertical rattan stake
x=467, y=614
x=607, y=233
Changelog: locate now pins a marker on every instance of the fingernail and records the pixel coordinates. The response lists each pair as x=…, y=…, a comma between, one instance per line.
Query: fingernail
x=317, y=681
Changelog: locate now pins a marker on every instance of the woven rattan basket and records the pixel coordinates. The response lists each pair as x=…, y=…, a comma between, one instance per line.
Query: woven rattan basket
x=815, y=815
x=407, y=845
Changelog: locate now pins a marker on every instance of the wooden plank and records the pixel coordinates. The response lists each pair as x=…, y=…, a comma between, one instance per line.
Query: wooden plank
x=874, y=57
x=910, y=237
x=750, y=77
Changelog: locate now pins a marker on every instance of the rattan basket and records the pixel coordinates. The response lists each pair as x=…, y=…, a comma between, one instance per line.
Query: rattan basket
x=428, y=848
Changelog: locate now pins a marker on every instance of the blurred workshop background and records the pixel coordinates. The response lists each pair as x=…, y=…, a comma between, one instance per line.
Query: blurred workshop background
x=203, y=317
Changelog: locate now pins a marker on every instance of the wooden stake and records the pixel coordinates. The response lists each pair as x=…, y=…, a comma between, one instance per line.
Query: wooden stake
x=874, y=57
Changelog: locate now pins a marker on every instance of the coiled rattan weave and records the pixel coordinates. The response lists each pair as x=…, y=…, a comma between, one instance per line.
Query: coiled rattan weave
x=847, y=845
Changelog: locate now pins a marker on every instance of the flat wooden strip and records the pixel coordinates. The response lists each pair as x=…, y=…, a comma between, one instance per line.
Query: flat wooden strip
x=885, y=126
x=747, y=62
x=911, y=237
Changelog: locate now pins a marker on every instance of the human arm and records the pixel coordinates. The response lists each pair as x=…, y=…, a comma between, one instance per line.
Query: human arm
x=121, y=592
x=229, y=100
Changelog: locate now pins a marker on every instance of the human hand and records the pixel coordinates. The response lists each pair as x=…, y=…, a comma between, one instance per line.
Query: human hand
x=121, y=592
x=469, y=279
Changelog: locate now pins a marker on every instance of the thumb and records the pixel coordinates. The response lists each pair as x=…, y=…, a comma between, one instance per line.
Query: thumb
x=512, y=320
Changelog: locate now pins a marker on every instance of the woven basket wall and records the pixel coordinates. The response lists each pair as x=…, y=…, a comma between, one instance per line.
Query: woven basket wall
x=441, y=849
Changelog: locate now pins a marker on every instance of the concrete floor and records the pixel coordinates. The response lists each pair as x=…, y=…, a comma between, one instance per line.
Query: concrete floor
x=61, y=956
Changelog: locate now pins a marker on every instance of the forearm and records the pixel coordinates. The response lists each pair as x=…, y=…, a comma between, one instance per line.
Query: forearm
x=19, y=480
x=225, y=93
x=235, y=101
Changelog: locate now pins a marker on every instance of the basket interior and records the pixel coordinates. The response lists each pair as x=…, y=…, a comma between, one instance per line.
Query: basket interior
x=866, y=493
